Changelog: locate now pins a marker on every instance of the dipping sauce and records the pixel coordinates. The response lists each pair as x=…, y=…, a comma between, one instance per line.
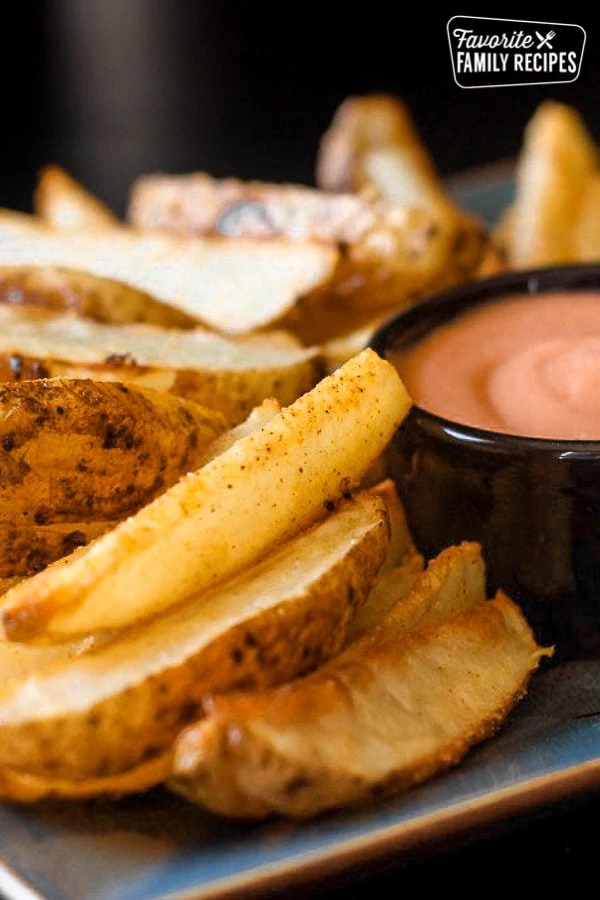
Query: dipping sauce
x=527, y=365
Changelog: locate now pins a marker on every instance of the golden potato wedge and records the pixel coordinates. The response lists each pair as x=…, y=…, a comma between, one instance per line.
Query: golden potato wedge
x=217, y=372
x=215, y=521
x=104, y=713
x=234, y=287
x=557, y=162
x=86, y=451
x=390, y=253
x=63, y=203
x=373, y=144
x=54, y=289
x=397, y=707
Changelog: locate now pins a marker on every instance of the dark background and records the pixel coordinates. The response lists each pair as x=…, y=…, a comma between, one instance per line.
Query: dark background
x=113, y=88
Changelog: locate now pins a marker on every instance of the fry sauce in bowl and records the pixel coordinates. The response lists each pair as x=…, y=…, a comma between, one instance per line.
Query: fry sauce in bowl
x=527, y=365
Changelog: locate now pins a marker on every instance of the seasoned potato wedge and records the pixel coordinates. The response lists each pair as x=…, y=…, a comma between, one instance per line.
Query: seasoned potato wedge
x=403, y=703
x=215, y=521
x=390, y=253
x=230, y=376
x=86, y=451
x=66, y=205
x=55, y=289
x=104, y=713
x=234, y=287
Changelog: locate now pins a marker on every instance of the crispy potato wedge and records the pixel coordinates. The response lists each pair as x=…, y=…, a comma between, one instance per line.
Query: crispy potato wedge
x=54, y=289
x=86, y=451
x=558, y=161
x=63, y=203
x=390, y=254
x=120, y=705
x=403, y=703
x=234, y=287
x=217, y=372
x=373, y=144
x=224, y=516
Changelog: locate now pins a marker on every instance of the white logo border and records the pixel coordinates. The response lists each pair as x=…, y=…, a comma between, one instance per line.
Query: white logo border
x=474, y=87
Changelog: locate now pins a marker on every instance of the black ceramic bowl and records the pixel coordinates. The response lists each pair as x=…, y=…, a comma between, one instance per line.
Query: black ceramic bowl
x=533, y=504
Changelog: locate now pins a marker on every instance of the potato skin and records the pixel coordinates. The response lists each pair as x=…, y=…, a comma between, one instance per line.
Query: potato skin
x=85, y=451
x=29, y=549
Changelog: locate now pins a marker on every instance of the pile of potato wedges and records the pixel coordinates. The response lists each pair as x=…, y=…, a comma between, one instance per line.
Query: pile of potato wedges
x=208, y=582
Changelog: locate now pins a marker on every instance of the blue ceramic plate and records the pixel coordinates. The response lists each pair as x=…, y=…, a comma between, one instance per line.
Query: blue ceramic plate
x=158, y=846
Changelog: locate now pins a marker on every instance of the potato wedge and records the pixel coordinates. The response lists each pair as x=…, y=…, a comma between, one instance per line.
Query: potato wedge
x=215, y=521
x=399, y=706
x=390, y=253
x=230, y=286
x=54, y=289
x=373, y=144
x=63, y=203
x=227, y=375
x=85, y=451
x=107, y=712
x=557, y=162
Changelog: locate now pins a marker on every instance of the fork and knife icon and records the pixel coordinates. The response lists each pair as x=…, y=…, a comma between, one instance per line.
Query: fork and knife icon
x=545, y=41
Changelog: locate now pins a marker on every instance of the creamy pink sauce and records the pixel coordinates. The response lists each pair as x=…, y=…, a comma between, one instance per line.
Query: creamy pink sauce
x=525, y=365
